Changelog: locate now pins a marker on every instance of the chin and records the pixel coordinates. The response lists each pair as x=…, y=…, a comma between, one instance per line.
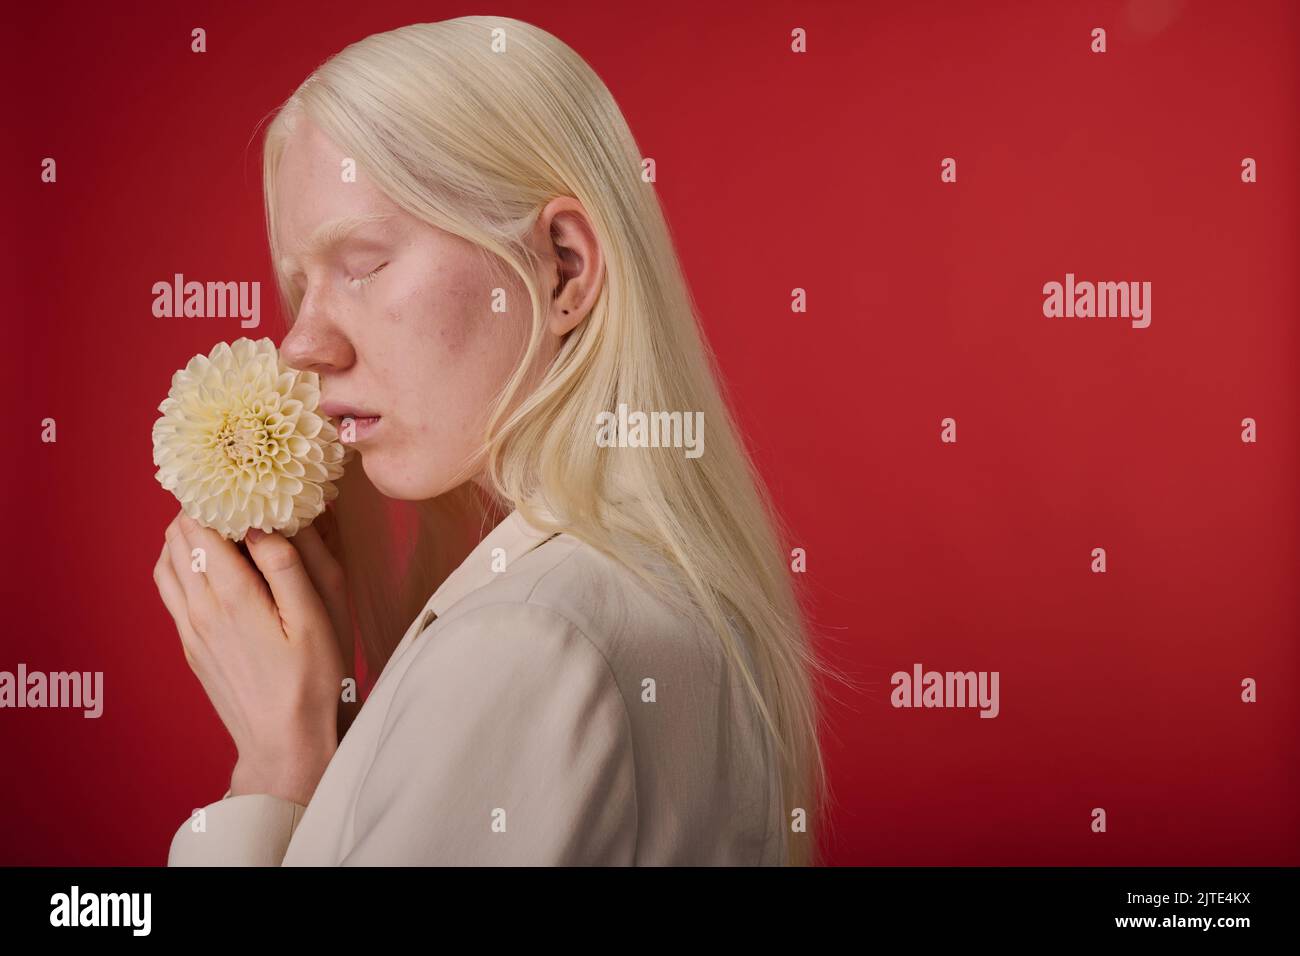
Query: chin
x=401, y=480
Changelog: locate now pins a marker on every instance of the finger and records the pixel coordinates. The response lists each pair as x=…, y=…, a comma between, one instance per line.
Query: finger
x=327, y=577
x=323, y=568
x=301, y=608
x=173, y=598
x=225, y=565
x=325, y=572
x=327, y=525
x=192, y=582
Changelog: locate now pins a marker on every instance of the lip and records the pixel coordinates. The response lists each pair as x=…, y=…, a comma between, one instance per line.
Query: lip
x=364, y=421
x=346, y=410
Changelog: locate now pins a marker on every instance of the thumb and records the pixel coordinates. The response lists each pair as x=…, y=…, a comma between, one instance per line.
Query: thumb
x=301, y=608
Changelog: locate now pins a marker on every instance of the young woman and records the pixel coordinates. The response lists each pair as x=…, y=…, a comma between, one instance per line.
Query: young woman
x=618, y=672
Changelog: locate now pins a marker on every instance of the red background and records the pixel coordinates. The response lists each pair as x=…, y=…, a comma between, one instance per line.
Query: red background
x=1118, y=690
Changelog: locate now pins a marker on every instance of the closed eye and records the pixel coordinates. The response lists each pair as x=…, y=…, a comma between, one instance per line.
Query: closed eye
x=370, y=276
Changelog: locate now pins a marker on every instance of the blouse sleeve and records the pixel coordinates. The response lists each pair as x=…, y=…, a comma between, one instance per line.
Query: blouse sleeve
x=248, y=830
x=507, y=743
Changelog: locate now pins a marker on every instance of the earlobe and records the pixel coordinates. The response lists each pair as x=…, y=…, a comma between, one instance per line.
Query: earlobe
x=564, y=321
x=566, y=305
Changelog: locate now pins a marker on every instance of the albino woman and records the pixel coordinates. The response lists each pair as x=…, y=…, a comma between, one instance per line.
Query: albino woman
x=613, y=667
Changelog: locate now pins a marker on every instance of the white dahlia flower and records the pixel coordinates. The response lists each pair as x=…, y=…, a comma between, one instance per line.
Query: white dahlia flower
x=241, y=445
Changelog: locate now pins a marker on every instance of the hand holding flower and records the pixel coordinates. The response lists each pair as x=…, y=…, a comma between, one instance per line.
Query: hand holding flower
x=243, y=448
x=263, y=646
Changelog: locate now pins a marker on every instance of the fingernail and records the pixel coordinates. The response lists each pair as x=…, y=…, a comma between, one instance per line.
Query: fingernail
x=253, y=535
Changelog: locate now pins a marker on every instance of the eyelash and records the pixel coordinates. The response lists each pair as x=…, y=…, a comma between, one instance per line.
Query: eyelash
x=367, y=279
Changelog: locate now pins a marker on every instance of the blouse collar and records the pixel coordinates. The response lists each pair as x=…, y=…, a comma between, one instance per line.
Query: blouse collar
x=514, y=536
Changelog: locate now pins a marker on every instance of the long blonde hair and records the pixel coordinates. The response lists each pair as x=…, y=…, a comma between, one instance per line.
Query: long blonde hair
x=473, y=125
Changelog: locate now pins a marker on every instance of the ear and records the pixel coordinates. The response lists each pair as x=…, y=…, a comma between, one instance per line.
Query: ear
x=572, y=262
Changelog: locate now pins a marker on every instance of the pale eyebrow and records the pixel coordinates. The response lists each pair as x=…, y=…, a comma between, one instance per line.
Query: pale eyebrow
x=330, y=234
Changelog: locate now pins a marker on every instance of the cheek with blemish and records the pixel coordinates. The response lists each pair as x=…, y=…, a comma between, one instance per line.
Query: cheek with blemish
x=464, y=326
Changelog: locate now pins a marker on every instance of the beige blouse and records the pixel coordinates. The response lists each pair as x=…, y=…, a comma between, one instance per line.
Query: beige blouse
x=554, y=712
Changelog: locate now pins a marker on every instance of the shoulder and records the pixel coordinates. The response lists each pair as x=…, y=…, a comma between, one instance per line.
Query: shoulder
x=500, y=643
x=508, y=665
x=501, y=707
x=508, y=672
x=566, y=667
x=565, y=606
x=567, y=591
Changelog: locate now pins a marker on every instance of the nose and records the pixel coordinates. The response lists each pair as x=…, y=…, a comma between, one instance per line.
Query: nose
x=316, y=342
